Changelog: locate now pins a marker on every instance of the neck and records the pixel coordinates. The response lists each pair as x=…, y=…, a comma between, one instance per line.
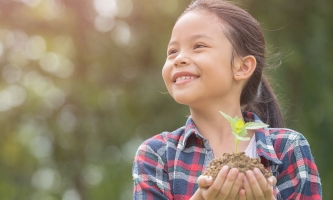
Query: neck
x=211, y=124
x=217, y=130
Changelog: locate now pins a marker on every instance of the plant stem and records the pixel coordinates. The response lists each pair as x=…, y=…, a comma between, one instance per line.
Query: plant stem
x=237, y=145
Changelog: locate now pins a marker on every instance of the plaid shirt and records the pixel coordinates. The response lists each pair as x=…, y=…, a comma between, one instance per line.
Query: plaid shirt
x=167, y=165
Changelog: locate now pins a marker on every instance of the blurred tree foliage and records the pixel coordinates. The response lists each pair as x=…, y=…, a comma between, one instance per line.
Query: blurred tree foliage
x=81, y=88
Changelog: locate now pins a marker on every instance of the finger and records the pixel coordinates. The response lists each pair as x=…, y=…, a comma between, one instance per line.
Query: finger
x=266, y=187
x=272, y=180
x=205, y=181
x=248, y=189
x=198, y=194
x=228, y=184
x=242, y=195
x=214, y=189
x=256, y=188
x=236, y=186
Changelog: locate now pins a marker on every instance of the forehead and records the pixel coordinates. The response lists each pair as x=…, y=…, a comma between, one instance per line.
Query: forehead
x=202, y=14
x=197, y=21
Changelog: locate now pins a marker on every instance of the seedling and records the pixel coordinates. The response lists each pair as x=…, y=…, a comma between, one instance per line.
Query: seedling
x=237, y=160
x=239, y=129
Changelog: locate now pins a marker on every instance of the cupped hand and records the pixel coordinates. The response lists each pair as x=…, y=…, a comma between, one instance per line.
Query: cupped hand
x=226, y=185
x=257, y=187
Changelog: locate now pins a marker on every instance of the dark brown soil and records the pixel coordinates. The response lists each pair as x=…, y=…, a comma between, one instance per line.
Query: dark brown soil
x=235, y=160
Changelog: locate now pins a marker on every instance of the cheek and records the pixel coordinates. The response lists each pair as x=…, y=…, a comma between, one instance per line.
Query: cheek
x=166, y=74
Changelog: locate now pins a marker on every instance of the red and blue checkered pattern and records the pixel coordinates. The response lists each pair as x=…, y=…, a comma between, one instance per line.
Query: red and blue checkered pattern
x=167, y=165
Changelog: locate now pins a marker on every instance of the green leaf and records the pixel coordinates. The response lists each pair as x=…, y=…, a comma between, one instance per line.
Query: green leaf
x=255, y=125
x=227, y=117
x=239, y=129
x=242, y=132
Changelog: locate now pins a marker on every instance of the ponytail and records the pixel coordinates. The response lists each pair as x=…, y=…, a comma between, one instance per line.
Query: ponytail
x=265, y=105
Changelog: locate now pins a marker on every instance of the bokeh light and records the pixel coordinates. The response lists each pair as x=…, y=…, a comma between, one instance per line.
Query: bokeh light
x=81, y=89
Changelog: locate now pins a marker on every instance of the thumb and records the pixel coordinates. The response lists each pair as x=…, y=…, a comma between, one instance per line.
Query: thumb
x=205, y=181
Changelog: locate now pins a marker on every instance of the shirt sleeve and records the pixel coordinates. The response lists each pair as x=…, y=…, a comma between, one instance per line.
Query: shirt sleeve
x=149, y=172
x=298, y=176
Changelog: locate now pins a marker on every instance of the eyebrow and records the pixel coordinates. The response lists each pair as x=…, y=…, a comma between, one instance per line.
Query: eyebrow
x=193, y=37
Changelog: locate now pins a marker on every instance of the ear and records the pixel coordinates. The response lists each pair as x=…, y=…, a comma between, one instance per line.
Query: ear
x=244, y=67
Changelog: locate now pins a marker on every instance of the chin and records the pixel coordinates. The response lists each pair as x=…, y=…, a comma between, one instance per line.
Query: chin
x=182, y=100
x=185, y=97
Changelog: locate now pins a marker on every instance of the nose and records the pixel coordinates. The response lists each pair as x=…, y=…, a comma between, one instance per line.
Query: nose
x=181, y=60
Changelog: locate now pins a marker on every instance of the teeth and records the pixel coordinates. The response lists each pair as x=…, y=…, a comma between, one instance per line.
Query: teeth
x=185, y=77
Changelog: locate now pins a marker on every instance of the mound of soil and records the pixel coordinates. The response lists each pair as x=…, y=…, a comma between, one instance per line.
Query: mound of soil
x=235, y=160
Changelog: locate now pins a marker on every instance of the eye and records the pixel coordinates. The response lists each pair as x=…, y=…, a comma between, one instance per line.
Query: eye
x=197, y=46
x=172, y=51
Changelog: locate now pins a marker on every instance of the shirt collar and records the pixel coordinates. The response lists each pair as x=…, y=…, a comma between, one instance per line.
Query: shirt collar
x=190, y=129
x=264, y=141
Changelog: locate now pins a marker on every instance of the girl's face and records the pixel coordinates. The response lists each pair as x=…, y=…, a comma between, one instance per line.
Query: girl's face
x=198, y=65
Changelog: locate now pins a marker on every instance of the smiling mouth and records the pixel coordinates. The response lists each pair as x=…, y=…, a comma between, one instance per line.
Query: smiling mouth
x=181, y=78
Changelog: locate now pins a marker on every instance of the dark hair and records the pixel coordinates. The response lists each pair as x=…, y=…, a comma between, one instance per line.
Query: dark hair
x=246, y=37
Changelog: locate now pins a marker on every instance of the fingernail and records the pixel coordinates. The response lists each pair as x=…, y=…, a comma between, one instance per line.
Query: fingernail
x=248, y=172
x=270, y=180
x=225, y=167
x=209, y=179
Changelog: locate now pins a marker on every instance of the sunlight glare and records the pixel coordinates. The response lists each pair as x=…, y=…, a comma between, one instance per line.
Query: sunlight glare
x=71, y=194
x=46, y=179
x=35, y=48
x=103, y=24
x=122, y=34
x=106, y=8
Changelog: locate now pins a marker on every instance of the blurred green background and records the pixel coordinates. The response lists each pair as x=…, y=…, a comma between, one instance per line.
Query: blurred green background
x=81, y=88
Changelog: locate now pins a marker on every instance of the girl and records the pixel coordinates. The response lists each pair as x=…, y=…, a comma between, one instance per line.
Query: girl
x=215, y=61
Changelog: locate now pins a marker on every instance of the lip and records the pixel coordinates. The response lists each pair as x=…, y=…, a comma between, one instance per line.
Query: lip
x=182, y=73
